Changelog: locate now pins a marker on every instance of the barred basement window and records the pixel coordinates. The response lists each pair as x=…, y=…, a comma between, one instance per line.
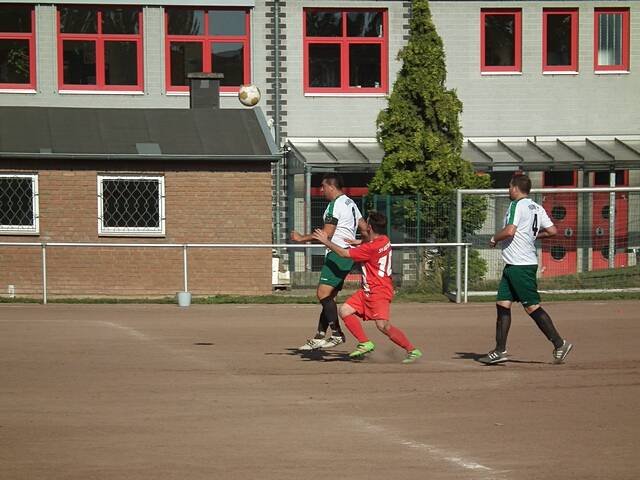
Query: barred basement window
x=130, y=205
x=19, y=204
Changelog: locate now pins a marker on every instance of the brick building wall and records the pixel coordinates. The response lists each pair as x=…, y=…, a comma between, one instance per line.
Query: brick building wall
x=204, y=204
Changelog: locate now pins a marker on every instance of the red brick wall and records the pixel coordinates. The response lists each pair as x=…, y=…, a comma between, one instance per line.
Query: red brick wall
x=204, y=204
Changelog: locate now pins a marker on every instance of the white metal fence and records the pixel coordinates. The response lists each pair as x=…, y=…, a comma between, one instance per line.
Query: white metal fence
x=44, y=246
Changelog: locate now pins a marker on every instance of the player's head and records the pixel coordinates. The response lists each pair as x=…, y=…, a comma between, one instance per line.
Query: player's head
x=332, y=185
x=519, y=185
x=377, y=222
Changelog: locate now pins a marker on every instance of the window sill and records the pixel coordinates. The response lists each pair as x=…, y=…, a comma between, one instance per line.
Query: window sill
x=132, y=234
x=560, y=73
x=498, y=74
x=100, y=92
x=354, y=94
x=186, y=94
x=18, y=90
x=16, y=233
x=612, y=72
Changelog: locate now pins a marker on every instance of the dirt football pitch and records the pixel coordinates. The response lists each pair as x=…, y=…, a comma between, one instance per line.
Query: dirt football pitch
x=219, y=392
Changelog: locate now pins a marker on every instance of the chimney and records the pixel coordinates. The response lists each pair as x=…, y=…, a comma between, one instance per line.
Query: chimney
x=204, y=89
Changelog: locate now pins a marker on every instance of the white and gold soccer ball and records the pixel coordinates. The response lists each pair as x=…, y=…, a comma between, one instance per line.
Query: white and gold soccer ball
x=249, y=95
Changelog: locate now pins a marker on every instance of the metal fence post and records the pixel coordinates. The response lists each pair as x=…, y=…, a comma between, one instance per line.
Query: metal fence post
x=388, y=214
x=44, y=273
x=612, y=221
x=458, y=248
x=307, y=214
x=466, y=272
x=185, y=268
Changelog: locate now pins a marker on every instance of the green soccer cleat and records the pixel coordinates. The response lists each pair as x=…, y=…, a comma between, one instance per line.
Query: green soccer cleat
x=362, y=349
x=412, y=356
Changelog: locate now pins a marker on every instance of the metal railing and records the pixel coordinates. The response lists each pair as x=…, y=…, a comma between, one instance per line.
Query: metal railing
x=186, y=246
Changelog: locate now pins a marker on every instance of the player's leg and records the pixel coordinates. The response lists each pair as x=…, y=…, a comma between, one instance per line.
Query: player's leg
x=327, y=296
x=561, y=347
x=351, y=311
x=504, y=300
x=398, y=337
x=332, y=276
x=526, y=285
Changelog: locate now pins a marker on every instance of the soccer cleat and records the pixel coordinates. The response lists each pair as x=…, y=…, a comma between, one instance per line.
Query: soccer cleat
x=559, y=354
x=362, y=349
x=332, y=341
x=412, y=356
x=494, y=356
x=312, y=344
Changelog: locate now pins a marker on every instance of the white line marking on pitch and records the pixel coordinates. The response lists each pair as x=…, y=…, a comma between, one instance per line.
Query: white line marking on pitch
x=453, y=458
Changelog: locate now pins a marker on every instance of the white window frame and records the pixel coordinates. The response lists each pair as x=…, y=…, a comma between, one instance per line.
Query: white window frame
x=33, y=229
x=132, y=231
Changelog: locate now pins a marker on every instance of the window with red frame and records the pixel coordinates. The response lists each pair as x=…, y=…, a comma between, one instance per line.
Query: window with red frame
x=212, y=40
x=17, y=51
x=100, y=48
x=501, y=40
x=560, y=40
x=345, y=51
x=611, y=39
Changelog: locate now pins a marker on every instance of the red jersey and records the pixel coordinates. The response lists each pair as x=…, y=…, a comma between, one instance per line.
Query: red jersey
x=375, y=259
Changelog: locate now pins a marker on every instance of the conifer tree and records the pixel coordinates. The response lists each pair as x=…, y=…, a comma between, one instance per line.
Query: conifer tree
x=421, y=135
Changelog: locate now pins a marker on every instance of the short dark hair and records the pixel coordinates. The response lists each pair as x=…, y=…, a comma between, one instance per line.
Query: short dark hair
x=334, y=179
x=522, y=183
x=378, y=222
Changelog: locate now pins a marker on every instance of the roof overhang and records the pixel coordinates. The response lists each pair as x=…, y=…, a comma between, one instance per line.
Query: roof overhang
x=191, y=3
x=535, y=153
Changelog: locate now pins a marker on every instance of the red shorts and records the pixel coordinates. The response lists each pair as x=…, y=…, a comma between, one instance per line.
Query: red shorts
x=369, y=308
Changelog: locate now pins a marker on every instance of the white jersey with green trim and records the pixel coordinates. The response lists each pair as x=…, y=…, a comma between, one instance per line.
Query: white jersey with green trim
x=529, y=218
x=345, y=215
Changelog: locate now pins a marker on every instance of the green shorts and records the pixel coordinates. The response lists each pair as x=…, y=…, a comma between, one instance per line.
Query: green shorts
x=335, y=270
x=519, y=284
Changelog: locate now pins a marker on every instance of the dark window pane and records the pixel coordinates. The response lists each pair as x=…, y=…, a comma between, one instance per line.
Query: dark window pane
x=131, y=203
x=16, y=202
x=185, y=22
x=324, y=65
x=364, y=66
x=78, y=20
x=602, y=178
x=227, y=22
x=559, y=39
x=120, y=20
x=186, y=57
x=558, y=179
x=499, y=40
x=324, y=24
x=14, y=61
x=364, y=24
x=15, y=19
x=79, y=62
x=121, y=63
x=228, y=58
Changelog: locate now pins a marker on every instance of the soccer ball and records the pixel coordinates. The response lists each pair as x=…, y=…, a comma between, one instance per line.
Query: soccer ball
x=249, y=95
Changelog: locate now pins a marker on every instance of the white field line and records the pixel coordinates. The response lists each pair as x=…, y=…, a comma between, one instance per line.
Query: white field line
x=476, y=470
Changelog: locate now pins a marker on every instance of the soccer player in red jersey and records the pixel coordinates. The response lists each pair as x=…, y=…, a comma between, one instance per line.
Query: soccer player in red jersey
x=373, y=300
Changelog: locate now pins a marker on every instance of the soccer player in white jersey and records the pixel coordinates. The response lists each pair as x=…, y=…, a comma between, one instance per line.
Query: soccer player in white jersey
x=342, y=219
x=524, y=222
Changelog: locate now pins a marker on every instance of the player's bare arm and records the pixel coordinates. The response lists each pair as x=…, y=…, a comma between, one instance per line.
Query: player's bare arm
x=322, y=237
x=328, y=228
x=507, y=232
x=548, y=232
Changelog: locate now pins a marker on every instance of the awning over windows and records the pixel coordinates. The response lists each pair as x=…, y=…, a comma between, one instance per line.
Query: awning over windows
x=505, y=154
x=201, y=134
